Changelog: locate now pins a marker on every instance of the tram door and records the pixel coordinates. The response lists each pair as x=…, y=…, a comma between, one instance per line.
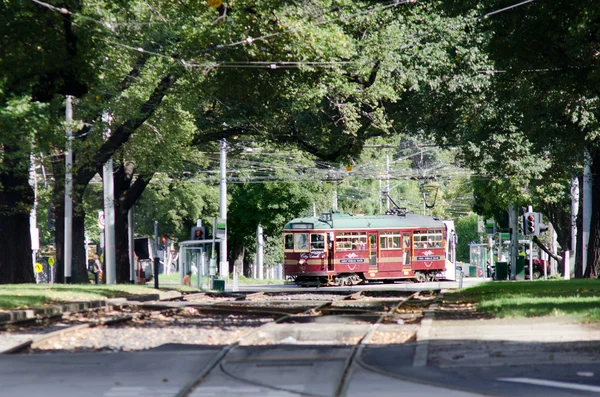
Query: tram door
x=373, y=250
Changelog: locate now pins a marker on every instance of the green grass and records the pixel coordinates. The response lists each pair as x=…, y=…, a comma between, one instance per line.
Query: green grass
x=534, y=299
x=19, y=296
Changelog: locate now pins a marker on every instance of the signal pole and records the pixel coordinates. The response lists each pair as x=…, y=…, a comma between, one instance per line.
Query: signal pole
x=223, y=264
x=110, y=258
x=68, y=243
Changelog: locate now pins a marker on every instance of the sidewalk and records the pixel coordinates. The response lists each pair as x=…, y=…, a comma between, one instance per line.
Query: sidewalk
x=511, y=341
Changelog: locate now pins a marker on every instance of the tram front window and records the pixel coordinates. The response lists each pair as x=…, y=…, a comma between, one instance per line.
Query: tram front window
x=301, y=242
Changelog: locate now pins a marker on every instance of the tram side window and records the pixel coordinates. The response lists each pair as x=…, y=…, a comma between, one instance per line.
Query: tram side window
x=301, y=242
x=349, y=241
x=288, y=242
x=428, y=239
x=317, y=241
x=389, y=241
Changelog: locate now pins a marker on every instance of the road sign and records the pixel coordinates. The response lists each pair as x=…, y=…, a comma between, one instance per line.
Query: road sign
x=101, y=219
x=51, y=261
x=221, y=228
x=39, y=268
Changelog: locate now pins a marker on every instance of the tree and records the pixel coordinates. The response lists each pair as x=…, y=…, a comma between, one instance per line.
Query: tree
x=466, y=231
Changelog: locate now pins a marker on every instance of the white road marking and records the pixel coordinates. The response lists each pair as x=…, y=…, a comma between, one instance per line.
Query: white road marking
x=552, y=383
x=139, y=391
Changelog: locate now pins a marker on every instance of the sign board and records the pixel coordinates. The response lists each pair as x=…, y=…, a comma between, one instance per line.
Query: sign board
x=38, y=267
x=51, y=261
x=101, y=222
x=221, y=228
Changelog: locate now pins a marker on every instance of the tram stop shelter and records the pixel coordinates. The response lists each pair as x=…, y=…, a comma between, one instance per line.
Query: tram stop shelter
x=198, y=257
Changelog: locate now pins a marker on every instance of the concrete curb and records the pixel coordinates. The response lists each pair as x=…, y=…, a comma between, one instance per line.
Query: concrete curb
x=15, y=316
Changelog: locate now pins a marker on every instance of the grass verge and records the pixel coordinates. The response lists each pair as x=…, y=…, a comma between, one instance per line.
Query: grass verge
x=532, y=299
x=19, y=296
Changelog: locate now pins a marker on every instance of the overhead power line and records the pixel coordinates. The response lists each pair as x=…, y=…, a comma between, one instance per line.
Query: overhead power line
x=508, y=8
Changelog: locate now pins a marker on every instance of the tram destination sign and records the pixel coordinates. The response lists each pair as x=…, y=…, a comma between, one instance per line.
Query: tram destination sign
x=429, y=258
x=352, y=260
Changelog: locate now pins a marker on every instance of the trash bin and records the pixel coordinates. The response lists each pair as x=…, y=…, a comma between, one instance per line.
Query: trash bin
x=218, y=285
x=501, y=270
x=520, y=269
x=472, y=271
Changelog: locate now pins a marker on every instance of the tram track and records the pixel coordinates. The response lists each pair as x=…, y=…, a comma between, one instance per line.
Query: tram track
x=351, y=363
x=268, y=323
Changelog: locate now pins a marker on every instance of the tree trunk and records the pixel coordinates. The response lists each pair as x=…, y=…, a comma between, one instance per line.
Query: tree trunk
x=593, y=258
x=126, y=194
x=579, y=272
x=122, y=246
x=237, y=255
x=16, y=200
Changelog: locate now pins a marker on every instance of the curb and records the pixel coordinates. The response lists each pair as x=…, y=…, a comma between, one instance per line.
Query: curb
x=16, y=316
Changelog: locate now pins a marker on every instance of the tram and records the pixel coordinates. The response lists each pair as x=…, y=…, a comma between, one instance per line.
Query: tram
x=345, y=249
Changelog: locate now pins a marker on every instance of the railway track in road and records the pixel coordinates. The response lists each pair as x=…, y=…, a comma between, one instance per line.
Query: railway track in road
x=362, y=309
x=252, y=329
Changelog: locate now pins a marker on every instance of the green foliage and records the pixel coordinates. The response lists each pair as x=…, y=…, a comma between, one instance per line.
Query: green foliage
x=466, y=231
x=175, y=205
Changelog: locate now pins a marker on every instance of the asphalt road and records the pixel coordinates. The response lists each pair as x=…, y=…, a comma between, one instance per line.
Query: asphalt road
x=283, y=371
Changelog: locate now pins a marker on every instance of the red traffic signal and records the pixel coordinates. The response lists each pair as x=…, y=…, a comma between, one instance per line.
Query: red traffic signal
x=198, y=233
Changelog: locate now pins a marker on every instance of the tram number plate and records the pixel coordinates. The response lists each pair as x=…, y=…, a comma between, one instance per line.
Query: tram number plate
x=429, y=258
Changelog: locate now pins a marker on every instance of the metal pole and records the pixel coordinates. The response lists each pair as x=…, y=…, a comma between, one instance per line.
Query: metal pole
x=156, y=259
x=33, y=229
x=530, y=258
x=259, y=251
x=110, y=258
x=587, y=211
x=574, y=213
x=514, y=226
x=387, y=181
x=224, y=263
x=68, y=243
x=131, y=246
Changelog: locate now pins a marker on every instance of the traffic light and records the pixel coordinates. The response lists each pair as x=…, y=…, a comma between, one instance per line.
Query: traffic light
x=198, y=233
x=531, y=223
x=163, y=244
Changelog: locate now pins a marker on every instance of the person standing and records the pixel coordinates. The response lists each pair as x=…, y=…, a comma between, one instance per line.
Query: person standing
x=97, y=268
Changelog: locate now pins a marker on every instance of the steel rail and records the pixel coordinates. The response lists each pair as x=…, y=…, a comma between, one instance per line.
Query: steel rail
x=352, y=361
x=219, y=358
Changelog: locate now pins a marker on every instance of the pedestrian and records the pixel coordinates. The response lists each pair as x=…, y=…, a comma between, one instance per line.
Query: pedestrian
x=187, y=280
x=96, y=268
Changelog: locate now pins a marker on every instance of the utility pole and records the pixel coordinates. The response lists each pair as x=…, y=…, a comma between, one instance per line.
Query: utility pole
x=110, y=258
x=131, y=246
x=156, y=259
x=514, y=237
x=68, y=243
x=224, y=263
x=587, y=212
x=260, y=251
x=33, y=229
x=574, y=212
x=387, y=181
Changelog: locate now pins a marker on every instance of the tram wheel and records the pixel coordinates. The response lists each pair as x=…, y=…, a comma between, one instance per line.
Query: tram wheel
x=421, y=278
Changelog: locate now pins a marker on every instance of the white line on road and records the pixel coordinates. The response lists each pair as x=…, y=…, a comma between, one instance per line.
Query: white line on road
x=552, y=383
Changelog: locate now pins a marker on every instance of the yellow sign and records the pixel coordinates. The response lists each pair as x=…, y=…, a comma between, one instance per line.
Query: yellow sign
x=51, y=261
x=214, y=3
x=39, y=268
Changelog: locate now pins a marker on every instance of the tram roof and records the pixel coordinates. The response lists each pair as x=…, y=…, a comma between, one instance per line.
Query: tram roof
x=349, y=221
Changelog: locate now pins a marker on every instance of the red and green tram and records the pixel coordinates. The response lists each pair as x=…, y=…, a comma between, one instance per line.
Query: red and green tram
x=343, y=249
